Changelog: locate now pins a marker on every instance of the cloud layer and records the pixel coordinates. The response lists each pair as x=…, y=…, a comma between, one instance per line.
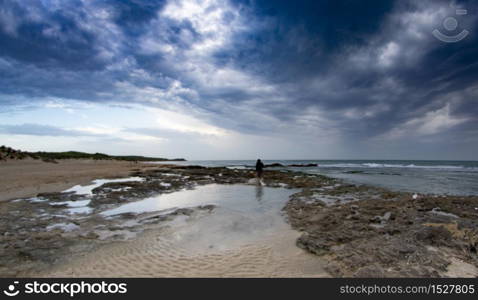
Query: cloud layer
x=239, y=79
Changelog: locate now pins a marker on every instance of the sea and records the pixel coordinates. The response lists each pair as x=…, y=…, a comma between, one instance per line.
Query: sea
x=418, y=176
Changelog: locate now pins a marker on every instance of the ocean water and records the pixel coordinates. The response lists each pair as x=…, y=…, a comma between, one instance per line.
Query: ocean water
x=421, y=176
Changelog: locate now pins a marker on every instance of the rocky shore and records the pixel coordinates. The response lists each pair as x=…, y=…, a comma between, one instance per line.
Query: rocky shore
x=361, y=231
x=389, y=235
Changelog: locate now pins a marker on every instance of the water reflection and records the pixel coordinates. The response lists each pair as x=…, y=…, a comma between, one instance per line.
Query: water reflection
x=259, y=193
x=239, y=198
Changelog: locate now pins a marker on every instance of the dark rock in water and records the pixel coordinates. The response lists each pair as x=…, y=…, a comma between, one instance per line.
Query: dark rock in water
x=207, y=207
x=60, y=197
x=127, y=215
x=183, y=211
x=274, y=165
x=354, y=172
x=193, y=167
x=303, y=166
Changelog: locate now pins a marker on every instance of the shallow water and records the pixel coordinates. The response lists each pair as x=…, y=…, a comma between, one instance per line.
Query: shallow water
x=81, y=206
x=88, y=189
x=240, y=198
x=76, y=207
x=244, y=214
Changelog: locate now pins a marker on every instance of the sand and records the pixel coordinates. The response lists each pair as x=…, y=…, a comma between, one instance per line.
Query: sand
x=28, y=177
x=160, y=254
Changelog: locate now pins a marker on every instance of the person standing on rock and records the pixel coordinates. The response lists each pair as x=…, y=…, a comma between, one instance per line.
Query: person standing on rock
x=259, y=169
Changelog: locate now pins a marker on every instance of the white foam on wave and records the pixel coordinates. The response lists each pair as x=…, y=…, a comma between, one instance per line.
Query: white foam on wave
x=236, y=167
x=409, y=166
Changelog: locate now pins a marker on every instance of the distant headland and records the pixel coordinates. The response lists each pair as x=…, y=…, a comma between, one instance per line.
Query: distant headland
x=7, y=153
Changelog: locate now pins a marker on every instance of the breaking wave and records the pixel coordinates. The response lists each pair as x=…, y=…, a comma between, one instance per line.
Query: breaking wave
x=409, y=166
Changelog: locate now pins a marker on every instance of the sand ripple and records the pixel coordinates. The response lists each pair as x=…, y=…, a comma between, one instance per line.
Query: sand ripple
x=157, y=254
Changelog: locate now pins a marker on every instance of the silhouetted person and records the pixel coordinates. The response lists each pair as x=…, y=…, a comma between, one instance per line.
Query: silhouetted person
x=259, y=168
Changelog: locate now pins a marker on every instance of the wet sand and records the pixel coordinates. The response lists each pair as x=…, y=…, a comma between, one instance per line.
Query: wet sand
x=28, y=177
x=162, y=253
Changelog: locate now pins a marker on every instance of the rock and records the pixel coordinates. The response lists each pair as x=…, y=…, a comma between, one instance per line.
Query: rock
x=92, y=235
x=434, y=235
x=25, y=255
x=407, y=248
x=207, y=207
x=128, y=215
x=303, y=166
x=274, y=165
x=398, y=244
x=334, y=269
x=373, y=271
x=314, y=245
x=19, y=244
x=189, y=167
x=387, y=216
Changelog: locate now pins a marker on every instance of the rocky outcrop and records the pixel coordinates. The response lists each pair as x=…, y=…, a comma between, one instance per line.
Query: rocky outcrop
x=274, y=165
x=389, y=238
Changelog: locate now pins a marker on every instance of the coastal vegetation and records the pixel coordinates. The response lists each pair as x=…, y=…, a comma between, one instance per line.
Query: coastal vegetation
x=10, y=153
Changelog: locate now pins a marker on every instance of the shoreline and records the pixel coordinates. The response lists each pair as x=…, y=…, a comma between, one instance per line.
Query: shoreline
x=29, y=177
x=348, y=230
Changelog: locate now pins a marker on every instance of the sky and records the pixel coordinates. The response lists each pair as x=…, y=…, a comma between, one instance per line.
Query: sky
x=346, y=79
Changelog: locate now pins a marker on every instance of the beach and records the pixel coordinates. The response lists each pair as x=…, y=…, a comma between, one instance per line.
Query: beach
x=117, y=219
x=28, y=177
x=210, y=138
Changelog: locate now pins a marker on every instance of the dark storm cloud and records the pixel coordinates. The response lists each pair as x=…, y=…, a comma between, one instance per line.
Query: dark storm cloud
x=360, y=69
x=311, y=59
x=80, y=50
x=135, y=13
x=303, y=36
x=49, y=38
